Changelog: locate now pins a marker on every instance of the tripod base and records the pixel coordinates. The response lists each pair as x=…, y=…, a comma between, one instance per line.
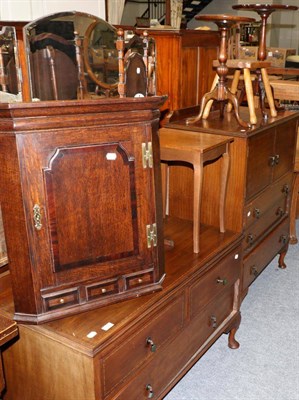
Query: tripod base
x=207, y=101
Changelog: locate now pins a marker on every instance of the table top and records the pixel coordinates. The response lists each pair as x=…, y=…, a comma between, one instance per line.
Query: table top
x=224, y=18
x=186, y=140
x=264, y=7
x=8, y=329
x=228, y=125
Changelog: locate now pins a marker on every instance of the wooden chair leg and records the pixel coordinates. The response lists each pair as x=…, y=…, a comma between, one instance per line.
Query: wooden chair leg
x=293, y=236
x=269, y=93
x=250, y=96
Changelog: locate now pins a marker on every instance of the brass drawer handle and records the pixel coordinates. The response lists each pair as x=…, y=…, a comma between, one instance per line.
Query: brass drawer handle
x=223, y=281
x=286, y=189
x=150, y=392
x=272, y=161
x=214, y=321
x=276, y=159
x=257, y=213
x=283, y=239
x=253, y=271
x=280, y=212
x=250, y=239
x=151, y=344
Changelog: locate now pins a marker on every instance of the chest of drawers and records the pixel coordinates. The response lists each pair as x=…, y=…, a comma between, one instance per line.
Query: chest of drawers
x=136, y=349
x=259, y=185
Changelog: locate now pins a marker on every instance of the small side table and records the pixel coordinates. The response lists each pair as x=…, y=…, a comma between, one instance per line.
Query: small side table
x=220, y=91
x=196, y=148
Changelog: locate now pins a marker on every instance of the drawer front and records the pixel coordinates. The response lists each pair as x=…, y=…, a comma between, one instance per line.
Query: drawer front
x=264, y=253
x=215, y=281
x=275, y=197
x=66, y=298
x=143, y=343
x=268, y=209
x=102, y=289
x=159, y=374
x=139, y=279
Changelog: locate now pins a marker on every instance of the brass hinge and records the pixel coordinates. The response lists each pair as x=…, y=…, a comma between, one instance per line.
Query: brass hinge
x=151, y=234
x=147, y=155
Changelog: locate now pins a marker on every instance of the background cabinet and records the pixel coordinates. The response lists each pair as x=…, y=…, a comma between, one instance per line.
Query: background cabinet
x=184, y=61
x=80, y=199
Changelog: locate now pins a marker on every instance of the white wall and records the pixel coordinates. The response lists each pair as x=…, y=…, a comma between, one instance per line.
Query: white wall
x=131, y=11
x=28, y=10
x=285, y=27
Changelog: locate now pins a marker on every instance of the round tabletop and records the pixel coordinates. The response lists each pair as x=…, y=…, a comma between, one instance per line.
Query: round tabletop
x=223, y=18
x=264, y=7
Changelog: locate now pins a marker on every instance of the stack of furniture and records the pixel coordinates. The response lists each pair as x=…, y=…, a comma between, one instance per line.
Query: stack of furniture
x=82, y=213
x=107, y=308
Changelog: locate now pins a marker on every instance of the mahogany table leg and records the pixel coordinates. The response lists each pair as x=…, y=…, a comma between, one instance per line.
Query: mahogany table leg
x=223, y=187
x=233, y=99
x=207, y=109
x=207, y=101
x=232, y=342
x=282, y=254
x=198, y=181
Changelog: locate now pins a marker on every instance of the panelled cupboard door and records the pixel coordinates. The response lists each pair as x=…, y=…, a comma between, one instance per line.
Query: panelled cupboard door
x=259, y=169
x=85, y=227
x=270, y=156
x=85, y=202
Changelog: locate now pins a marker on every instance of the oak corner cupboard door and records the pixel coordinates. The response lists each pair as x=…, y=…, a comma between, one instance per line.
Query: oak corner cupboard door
x=81, y=203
